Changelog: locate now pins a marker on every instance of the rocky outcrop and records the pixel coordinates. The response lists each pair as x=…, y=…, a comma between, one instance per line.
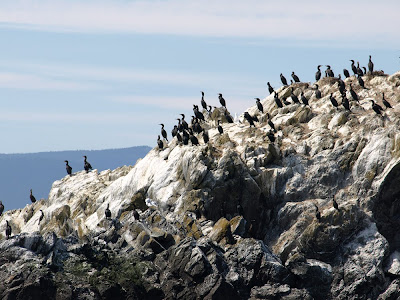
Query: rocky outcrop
x=234, y=218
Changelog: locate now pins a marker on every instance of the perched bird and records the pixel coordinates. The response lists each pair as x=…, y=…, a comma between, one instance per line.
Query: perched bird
x=295, y=77
x=271, y=136
x=41, y=216
x=179, y=137
x=33, y=199
x=376, y=107
x=317, y=213
x=249, y=118
x=205, y=136
x=270, y=88
x=174, y=131
x=270, y=122
x=277, y=101
x=341, y=84
x=384, y=101
x=68, y=167
x=318, y=73
x=220, y=129
x=361, y=82
x=203, y=103
x=197, y=113
x=86, y=165
x=329, y=72
x=285, y=101
x=184, y=123
x=370, y=65
x=353, y=93
x=353, y=67
x=222, y=100
x=163, y=132
x=318, y=94
x=160, y=143
x=294, y=97
x=8, y=230
x=303, y=98
x=283, y=79
x=334, y=203
x=185, y=138
x=194, y=140
x=107, y=212
x=345, y=102
x=259, y=105
x=333, y=100
x=346, y=73
x=1, y=208
x=228, y=116
x=359, y=71
x=180, y=127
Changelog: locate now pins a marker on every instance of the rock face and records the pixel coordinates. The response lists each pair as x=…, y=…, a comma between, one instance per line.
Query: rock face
x=240, y=217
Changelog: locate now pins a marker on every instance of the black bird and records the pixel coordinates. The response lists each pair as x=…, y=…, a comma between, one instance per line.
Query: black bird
x=384, y=101
x=8, y=230
x=346, y=73
x=194, y=140
x=205, y=137
x=283, y=79
x=342, y=86
x=33, y=199
x=259, y=105
x=359, y=71
x=270, y=122
x=353, y=93
x=329, y=72
x=333, y=100
x=277, y=101
x=318, y=94
x=174, y=131
x=303, y=98
x=335, y=205
x=86, y=165
x=197, y=113
x=295, y=77
x=41, y=216
x=107, y=212
x=271, y=136
x=294, y=97
x=68, y=167
x=163, y=132
x=1, y=208
x=228, y=116
x=365, y=70
x=197, y=127
x=203, y=103
x=353, y=67
x=220, y=129
x=345, y=102
x=180, y=127
x=360, y=81
x=284, y=101
x=270, y=88
x=249, y=118
x=222, y=100
x=317, y=213
x=370, y=65
x=160, y=143
x=185, y=138
x=179, y=137
x=184, y=123
x=209, y=110
x=376, y=107
x=318, y=73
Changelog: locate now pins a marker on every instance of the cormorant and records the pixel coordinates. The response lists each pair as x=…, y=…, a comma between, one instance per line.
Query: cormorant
x=317, y=213
x=33, y=199
x=209, y=110
x=277, y=101
x=353, y=67
x=1, y=208
x=342, y=86
x=376, y=107
x=179, y=137
x=68, y=167
x=346, y=73
x=194, y=140
x=294, y=97
x=270, y=122
x=318, y=73
x=359, y=71
x=174, y=131
x=284, y=100
x=259, y=105
x=220, y=129
x=205, y=136
x=203, y=103
x=185, y=138
x=345, y=102
x=333, y=100
x=283, y=79
x=222, y=100
x=184, y=123
x=41, y=216
x=360, y=81
x=107, y=212
x=365, y=70
x=197, y=113
x=8, y=230
x=329, y=72
x=160, y=143
x=197, y=127
x=295, y=77
x=353, y=93
x=335, y=205
x=370, y=65
x=180, y=127
x=270, y=88
x=228, y=116
x=87, y=166
x=318, y=94
x=249, y=118
x=271, y=136
x=163, y=132
x=303, y=98
x=384, y=101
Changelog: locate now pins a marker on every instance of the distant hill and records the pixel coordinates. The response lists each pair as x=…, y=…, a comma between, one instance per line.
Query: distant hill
x=21, y=172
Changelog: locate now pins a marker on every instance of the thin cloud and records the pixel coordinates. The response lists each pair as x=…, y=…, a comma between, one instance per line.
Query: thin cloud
x=304, y=20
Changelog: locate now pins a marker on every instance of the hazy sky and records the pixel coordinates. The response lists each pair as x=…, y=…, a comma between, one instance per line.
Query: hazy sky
x=103, y=74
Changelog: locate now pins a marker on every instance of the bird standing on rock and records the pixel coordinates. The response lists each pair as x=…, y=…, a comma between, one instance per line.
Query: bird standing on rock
x=220, y=129
x=270, y=122
x=8, y=230
x=1, y=208
x=361, y=82
x=203, y=102
x=346, y=73
x=370, y=65
x=259, y=105
x=270, y=88
x=318, y=73
x=303, y=98
x=41, y=216
x=283, y=79
x=160, y=143
x=222, y=100
x=333, y=100
x=318, y=94
x=86, y=165
x=317, y=213
x=107, y=212
x=68, y=167
x=33, y=199
x=384, y=101
x=329, y=72
x=277, y=100
x=163, y=132
x=294, y=97
x=295, y=77
x=353, y=93
x=376, y=107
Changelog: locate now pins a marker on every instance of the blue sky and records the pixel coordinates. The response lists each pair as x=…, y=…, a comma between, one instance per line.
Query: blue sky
x=103, y=74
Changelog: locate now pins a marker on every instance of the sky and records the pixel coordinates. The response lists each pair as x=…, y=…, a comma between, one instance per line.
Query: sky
x=102, y=74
